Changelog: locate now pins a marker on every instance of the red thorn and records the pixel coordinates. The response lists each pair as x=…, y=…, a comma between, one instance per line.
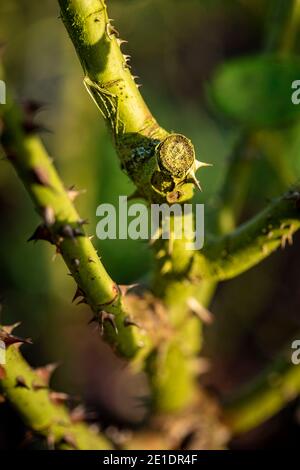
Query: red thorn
x=11, y=339
x=58, y=397
x=45, y=373
x=41, y=233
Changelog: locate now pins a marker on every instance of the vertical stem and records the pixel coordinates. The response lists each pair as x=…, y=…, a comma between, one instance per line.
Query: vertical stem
x=282, y=26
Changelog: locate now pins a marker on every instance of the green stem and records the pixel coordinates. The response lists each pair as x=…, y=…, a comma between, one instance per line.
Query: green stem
x=62, y=226
x=28, y=393
x=264, y=397
x=282, y=26
x=228, y=256
x=135, y=132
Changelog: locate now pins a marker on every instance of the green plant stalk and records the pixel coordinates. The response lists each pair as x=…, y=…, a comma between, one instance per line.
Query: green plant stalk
x=112, y=86
x=173, y=375
x=135, y=132
x=223, y=258
x=62, y=226
x=264, y=397
x=230, y=255
x=136, y=136
x=27, y=393
x=282, y=26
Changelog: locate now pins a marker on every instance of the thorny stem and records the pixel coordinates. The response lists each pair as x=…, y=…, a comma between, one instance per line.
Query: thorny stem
x=107, y=76
x=139, y=140
x=230, y=255
x=161, y=165
x=28, y=392
x=63, y=227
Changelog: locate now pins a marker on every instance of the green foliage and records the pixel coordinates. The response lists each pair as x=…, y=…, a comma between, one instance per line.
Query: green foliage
x=256, y=91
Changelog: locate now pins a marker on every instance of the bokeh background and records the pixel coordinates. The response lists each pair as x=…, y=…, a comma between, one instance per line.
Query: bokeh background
x=176, y=47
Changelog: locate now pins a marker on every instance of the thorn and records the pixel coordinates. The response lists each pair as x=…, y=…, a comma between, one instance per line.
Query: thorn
x=73, y=193
x=48, y=215
x=201, y=164
x=10, y=339
x=110, y=318
x=36, y=386
x=191, y=178
x=20, y=382
x=41, y=233
x=121, y=41
x=78, y=293
x=70, y=440
x=10, y=328
x=40, y=176
x=127, y=57
x=78, y=414
x=91, y=260
x=45, y=373
x=58, y=397
x=204, y=314
x=124, y=289
x=129, y=322
x=82, y=301
x=111, y=31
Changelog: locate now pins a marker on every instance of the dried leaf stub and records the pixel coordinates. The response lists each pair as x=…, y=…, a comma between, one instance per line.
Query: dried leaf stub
x=176, y=155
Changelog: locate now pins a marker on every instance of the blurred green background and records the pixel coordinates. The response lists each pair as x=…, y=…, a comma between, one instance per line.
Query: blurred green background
x=177, y=48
